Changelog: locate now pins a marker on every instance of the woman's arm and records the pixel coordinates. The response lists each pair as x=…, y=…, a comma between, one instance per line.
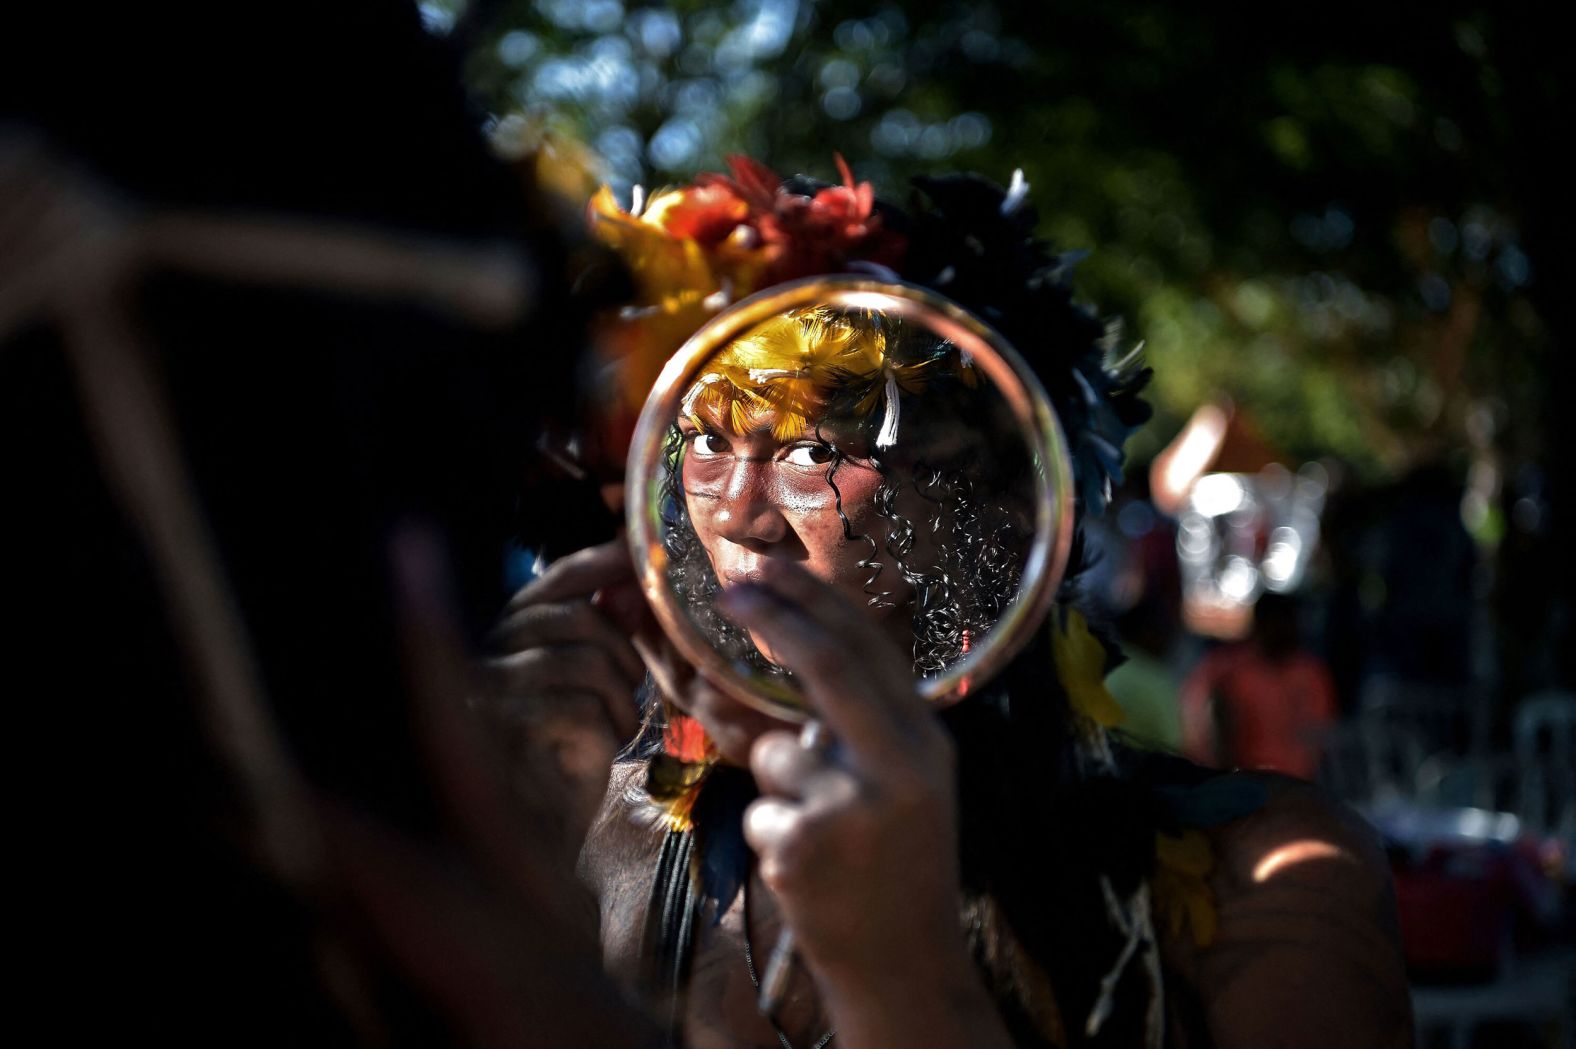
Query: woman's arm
x=1306, y=954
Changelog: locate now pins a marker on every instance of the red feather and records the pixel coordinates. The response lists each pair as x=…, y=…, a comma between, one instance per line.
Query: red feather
x=757, y=183
x=844, y=170
x=685, y=740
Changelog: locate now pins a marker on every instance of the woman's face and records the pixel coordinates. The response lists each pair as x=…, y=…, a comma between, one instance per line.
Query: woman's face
x=752, y=497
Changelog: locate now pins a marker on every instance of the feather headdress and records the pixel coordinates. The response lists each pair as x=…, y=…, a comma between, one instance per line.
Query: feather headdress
x=789, y=372
x=696, y=249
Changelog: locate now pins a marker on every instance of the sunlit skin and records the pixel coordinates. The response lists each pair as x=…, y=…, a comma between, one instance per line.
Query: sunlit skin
x=752, y=497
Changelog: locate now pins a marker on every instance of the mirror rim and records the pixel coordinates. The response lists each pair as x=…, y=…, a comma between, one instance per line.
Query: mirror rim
x=1003, y=366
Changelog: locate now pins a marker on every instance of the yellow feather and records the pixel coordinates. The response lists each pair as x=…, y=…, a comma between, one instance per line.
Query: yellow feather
x=1183, y=898
x=788, y=368
x=1080, y=665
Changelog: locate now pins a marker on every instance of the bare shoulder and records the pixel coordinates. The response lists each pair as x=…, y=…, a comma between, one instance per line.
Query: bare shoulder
x=1300, y=835
x=1306, y=951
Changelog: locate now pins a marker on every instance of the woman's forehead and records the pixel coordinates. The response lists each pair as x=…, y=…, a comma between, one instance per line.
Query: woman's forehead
x=754, y=420
x=718, y=415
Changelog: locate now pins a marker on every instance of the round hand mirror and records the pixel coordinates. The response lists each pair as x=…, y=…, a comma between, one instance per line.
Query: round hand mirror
x=876, y=434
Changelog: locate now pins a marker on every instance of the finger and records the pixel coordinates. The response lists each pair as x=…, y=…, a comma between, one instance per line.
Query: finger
x=571, y=668
x=783, y=766
x=673, y=674
x=580, y=574
x=532, y=710
x=826, y=605
x=561, y=667
x=624, y=604
x=786, y=839
x=469, y=774
x=770, y=824
x=566, y=622
x=833, y=666
x=29, y=206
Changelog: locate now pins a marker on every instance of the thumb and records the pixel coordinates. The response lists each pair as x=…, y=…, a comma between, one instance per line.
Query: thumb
x=626, y=606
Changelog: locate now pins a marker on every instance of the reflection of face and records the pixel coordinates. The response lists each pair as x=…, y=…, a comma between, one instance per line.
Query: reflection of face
x=752, y=497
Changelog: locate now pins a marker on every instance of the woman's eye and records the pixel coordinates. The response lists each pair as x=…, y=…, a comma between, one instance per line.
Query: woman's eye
x=809, y=455
x=704, y=444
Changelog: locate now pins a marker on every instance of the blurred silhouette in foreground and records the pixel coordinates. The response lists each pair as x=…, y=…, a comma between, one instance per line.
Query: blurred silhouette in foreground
x=262, y=311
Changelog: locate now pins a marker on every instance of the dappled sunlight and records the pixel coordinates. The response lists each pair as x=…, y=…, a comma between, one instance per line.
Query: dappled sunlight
x=1297, y=853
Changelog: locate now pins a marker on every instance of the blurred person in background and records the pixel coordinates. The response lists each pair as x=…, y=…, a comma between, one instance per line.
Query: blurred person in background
x=1140, y=589
x=1265, y=702
x=1146, y=683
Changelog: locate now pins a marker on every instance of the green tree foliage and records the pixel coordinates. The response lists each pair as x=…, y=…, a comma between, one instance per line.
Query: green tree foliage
x=1318, y=211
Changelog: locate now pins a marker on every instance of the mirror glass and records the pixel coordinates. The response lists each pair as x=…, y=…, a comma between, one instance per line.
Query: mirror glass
x=879, y=436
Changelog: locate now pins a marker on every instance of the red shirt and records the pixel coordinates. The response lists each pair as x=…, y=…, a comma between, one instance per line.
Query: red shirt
x=1240, y=708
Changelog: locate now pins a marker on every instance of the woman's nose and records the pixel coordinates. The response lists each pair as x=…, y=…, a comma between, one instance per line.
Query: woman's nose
x=748, y=509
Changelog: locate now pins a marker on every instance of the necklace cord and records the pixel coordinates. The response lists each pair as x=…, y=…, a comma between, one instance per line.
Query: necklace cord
x=749, y=964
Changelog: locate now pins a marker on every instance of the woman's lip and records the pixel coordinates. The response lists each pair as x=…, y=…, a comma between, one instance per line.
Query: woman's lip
x=741, y=569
